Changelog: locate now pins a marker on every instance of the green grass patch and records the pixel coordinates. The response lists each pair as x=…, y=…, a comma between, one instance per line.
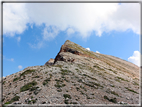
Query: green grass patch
x=16, y=98
x=15, y=79
x=28, y=86
x=27, y=72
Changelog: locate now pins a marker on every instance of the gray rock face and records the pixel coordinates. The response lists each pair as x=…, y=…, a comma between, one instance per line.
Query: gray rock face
x=76, y=76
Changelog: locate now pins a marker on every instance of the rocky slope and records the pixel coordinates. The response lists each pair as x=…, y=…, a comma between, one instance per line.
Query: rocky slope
x=76, y=76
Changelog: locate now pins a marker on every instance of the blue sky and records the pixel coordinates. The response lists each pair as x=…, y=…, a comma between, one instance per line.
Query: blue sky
x=34, y=33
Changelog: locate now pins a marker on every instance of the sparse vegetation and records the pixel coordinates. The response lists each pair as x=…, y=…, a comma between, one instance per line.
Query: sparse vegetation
x=45, y=82
x=73, y=102
x=66, y=102
x=36, y=76
x=59, y=83
x=33, y=88
x=113, y=71
x=111, y=100
x=33, y=101
x=27, y=72
x=67, y=96
x=37, y=91
x=59, y=90
x=89, y=77
x=16, y=98
x=60, y=66
x=65, y=72
x=122, y=79
x=15, y=79
x=97, y=66
x=28, y=86
x=83, y=88
x=112, y=92
x=77, y=89
x=131, y=90
x=4, y=82
x=135, y=83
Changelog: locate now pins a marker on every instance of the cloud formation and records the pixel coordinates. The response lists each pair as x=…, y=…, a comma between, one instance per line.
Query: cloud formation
x=18, y=39
x=88, y=49
x=15, y=18
x=71, y=17
x=20, y=67
x=135, y=58
x=97, y=52
x=8, y=59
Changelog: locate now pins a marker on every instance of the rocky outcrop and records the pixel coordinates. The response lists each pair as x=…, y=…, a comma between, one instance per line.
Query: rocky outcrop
x=76, y=49
x=50, y=62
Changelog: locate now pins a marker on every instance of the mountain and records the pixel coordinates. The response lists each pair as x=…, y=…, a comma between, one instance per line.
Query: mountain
x=75, y=76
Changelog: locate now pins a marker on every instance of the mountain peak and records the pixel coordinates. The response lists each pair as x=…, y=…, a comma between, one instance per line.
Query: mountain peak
x=73, y=48
x=76, y=76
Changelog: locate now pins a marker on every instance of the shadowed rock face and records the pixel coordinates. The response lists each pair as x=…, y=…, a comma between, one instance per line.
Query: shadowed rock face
x=76, y=76
x=74, y=49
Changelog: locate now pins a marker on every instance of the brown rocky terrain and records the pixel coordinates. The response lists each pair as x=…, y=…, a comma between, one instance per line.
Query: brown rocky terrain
x=77, y=77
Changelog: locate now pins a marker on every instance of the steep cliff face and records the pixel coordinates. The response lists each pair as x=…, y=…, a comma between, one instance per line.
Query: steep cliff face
x=73, y=48
x=76, y=76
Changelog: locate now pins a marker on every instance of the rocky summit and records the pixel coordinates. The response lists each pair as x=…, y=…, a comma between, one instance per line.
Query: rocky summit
x=76, y=76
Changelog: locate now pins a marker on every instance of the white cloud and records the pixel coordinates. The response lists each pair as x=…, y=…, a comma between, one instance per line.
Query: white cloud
x=20, y=67
x=88, y=49
x=15, y=18
x=70, y=31
x=50, y=32
x=135, y=58
x=8, y=59
x=82, y=18
x=97, y=52
x=37, y=45
x=12, y=59
x=18, y=39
